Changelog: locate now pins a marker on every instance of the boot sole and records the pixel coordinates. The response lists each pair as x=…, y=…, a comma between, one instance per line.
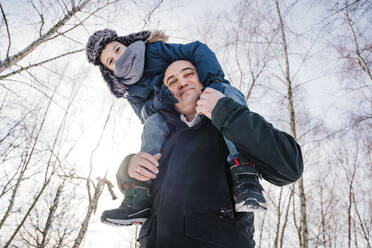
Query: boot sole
x=250, y=205
x=116, y=222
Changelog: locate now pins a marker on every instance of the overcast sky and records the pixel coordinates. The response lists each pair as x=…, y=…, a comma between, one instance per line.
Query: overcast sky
x=181, y=20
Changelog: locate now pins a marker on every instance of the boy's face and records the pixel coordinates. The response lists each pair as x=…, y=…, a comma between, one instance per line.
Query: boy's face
x=111, y=53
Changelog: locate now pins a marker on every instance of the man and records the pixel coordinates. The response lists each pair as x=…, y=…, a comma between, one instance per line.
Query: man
x=192, y=199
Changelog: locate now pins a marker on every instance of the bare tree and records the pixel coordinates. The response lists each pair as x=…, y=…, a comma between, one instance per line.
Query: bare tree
x=98, y=188
x=23, y=169
x=246, y=49
x=287, y=80
x=352, y=44
x=69, y=10
x=40, y=82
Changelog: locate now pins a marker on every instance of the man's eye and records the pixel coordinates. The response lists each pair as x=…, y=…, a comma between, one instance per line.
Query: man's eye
x=171, y=83
x=189, y=74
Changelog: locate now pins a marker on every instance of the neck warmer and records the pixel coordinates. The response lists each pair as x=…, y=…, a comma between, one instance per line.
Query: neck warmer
x=129, y=67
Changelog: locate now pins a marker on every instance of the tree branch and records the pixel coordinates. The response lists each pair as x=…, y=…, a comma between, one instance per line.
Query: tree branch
x=12, y=60
x=81, y=22
x=7, y=30
x=38, y=64
x=147, y=18
x=41, y=17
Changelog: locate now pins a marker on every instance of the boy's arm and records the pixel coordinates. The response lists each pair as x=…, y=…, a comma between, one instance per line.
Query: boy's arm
x=162, y=100
x=199, y=54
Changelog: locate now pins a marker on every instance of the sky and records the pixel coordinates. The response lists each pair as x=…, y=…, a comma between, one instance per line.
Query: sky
x=174, y=18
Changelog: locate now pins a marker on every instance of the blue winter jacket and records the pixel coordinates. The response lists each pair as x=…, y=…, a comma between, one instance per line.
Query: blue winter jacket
x=159, y=56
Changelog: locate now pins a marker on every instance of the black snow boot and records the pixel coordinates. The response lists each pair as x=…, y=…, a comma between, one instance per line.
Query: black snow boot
x=134, y=209
x=246, y=187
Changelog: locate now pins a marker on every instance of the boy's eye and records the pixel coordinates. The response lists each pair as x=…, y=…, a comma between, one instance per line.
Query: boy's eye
x=110, y=61
x=117, y=49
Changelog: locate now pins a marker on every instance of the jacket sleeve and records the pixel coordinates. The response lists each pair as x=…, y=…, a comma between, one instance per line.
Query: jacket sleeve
x=199, y=54
x=137, y=104
x=277, y=155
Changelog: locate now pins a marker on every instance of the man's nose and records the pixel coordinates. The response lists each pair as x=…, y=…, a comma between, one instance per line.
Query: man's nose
x=183, y=82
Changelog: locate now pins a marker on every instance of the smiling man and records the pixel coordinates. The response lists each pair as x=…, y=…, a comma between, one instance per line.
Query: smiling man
x=183, y=81
x=192, y=199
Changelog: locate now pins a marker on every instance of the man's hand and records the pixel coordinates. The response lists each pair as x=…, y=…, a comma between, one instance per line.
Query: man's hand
x=143, y=166
x=207, y=102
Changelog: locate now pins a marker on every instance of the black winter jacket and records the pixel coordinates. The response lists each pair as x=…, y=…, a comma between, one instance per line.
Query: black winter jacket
x=193, y=204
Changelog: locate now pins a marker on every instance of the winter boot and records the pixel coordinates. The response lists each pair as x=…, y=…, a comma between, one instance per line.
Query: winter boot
x=246, y=187
x=134, y=209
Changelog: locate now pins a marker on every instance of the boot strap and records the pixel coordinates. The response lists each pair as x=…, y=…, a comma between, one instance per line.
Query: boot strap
x=137, y=191
x=244, y=181
x=244, y=169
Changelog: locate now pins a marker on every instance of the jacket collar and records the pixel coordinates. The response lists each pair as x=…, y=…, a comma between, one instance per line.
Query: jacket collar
x=173, y=118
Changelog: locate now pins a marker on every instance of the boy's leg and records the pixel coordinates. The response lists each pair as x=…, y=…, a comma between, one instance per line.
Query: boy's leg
x=137, y=203
x=154, y=133
x=247, y=189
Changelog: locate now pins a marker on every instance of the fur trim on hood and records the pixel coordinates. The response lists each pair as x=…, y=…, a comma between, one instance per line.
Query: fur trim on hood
x=157, y=35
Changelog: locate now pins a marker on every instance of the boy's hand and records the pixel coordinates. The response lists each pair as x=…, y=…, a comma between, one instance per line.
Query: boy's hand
x=143, y=166
x=207, y=102
x=163, y=99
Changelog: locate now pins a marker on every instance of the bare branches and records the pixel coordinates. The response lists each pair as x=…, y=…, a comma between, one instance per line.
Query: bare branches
x=91, y=208
x=39, y=63
x=12, y=60
x=148, y=16
x=42, y=21
x=361, y=61
x=110, y=187
x=38, y=157
x=82, y=21
x=304, y=232
x=7, y=30
x=21, y=175
x=272, y=59
x=51, y=214
x=93, y=199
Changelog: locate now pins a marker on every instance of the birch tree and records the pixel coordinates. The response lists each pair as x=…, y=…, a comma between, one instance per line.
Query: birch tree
x=41, y=76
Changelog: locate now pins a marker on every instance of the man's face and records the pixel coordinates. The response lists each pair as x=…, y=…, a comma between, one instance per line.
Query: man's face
x=183, y=81
x=111, y=53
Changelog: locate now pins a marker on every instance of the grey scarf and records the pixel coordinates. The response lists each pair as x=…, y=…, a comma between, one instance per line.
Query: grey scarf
x=129, y=67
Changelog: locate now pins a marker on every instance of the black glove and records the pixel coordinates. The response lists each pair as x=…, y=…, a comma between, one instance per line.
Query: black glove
x=163, y=98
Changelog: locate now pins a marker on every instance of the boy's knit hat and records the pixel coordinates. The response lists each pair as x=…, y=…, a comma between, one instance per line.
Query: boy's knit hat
x=99, y=39
x=97, y=42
